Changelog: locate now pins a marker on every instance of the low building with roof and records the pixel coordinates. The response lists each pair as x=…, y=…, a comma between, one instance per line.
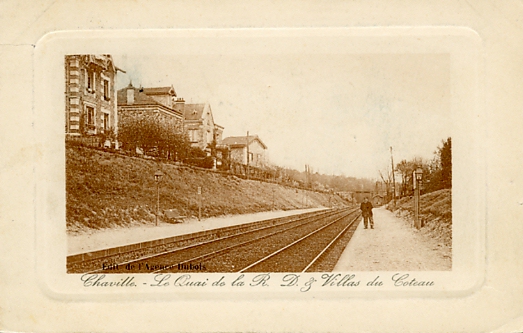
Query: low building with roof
x=163, y=95
x=247, y=150
x=149, y=102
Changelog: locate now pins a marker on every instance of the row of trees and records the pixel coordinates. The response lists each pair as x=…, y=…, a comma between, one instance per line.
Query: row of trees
x=153, y=137
x=167, y=140
x=315, y=180
x=437, y=172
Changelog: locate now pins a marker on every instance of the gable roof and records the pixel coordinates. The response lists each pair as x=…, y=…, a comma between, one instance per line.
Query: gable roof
x=194, y=111
x=160, y=91
x=140, y=98
x=241, y=141
x=104, y=61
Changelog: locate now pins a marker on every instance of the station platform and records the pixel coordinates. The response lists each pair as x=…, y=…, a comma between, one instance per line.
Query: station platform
x=108, y=238
x=392, y=245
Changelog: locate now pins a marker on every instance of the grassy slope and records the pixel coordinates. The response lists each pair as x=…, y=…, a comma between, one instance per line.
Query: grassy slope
x=435, y=210
x=105, y=190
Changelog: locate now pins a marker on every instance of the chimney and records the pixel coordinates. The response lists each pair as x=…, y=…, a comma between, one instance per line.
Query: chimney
x=179, y=105
x=130, y=95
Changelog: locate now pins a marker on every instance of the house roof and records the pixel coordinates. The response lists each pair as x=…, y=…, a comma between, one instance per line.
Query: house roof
x=104, y=61
x=140, y=98
x=241, y=141
x=160, y=91
x=194, y=111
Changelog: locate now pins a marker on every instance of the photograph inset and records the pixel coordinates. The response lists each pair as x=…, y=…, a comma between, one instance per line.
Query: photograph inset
x=264, y=163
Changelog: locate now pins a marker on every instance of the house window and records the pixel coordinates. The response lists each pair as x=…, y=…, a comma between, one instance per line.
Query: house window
x=106, y=122
x=89, y=116
x=251, y=157
x=106, y=90
x=89, y=84
x=193, y=135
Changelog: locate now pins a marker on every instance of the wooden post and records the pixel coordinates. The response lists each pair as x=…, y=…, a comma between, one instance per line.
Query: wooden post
x=199, y=203
x=158, y=201
x=416, y=201
x=157, y=177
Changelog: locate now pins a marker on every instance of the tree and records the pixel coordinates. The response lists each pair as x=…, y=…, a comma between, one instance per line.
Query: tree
x=153, y=137
x=437, y=173
x=387, y=180
x=445, y=156
x=405, y=169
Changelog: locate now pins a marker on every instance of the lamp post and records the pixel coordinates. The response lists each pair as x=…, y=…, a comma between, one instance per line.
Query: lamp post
x=418, y=177
x=273, y=198
x=158, y=177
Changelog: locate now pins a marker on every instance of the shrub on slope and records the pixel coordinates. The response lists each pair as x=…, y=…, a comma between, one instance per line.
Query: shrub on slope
x=435, y=211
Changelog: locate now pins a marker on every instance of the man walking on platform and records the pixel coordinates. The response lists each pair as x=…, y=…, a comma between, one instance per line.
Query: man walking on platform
x=366, y=212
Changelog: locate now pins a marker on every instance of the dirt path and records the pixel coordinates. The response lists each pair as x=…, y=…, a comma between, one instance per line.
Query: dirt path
x=393, y=245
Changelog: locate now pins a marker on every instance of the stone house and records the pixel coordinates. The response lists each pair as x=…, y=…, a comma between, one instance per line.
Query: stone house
x=196, y=120
x=200, y=126
x=149, y=102
x=243, y=148
x=90, y=103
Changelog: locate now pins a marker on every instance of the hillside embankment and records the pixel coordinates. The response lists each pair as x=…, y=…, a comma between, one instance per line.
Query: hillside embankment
x=435, y=212
x=107, y=189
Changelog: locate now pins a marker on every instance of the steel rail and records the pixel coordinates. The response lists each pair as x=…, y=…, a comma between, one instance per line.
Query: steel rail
x=217, y=252
x=330, y=244
x=216, y=240
x=293, y=243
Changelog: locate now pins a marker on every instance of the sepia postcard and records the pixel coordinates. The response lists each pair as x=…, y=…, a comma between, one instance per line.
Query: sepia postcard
x=282, y=162
x=301, y=177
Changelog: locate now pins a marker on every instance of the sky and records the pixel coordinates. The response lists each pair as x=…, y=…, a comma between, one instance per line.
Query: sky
x=337, y=112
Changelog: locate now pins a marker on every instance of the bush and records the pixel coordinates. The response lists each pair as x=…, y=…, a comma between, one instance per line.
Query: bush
x=201, y=162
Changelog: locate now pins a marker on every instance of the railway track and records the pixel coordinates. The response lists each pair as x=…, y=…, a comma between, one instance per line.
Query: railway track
x=184, y=247
x=268, y=247
x=306, y=253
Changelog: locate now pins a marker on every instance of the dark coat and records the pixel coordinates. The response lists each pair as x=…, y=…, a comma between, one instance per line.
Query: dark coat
x=366, y=209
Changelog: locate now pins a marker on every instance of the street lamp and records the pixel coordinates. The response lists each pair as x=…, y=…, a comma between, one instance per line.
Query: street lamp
x=158, y=177
x=273, y=198
x=418, y=177
x=419, y=174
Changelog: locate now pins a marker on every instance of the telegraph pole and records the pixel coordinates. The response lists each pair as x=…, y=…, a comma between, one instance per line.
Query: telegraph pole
x=393, y=179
